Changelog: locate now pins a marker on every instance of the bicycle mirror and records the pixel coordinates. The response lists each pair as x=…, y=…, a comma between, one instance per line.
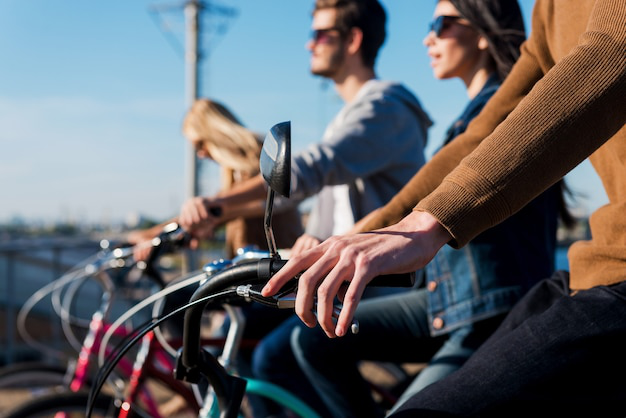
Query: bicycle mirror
x=275, y=162
x=275, y=158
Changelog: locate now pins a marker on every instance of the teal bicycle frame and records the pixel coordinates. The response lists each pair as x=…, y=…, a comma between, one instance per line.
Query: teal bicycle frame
x=270, y=391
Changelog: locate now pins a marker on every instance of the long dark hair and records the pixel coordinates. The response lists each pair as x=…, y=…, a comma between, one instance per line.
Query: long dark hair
x=501, y=23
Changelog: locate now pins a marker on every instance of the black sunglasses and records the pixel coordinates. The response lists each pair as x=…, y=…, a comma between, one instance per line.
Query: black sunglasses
x=440, y=23
x=323, y=35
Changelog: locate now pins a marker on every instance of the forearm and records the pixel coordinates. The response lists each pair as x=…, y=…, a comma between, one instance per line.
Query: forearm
x=424, y=181
x=140, y=235
x=233, y=207
x=251, y=209
x=242, y=193
x=549, y=122
x=430, y=176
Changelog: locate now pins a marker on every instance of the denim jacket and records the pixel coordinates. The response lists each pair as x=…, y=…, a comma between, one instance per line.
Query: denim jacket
x=487, y=276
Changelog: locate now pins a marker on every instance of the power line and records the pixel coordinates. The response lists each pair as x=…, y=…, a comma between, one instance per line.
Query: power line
x=214, y=21
x=199, y=22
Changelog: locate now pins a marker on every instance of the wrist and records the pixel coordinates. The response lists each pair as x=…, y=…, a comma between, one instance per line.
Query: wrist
x=424, y=223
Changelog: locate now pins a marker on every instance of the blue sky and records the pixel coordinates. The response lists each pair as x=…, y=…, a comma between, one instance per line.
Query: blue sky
x=92, y=95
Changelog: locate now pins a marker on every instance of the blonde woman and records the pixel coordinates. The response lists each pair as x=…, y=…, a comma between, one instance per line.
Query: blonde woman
x=218, y=135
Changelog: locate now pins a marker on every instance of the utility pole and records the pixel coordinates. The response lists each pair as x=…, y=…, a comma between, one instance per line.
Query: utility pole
x=193, y=11
x=194, y=30
x=192, y=62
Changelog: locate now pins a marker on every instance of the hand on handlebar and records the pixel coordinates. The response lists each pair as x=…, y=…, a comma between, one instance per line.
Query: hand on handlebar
x=141, y=250
x=142, y=241
x=304, y=243
x=163, y=237
x=199, y=216
x=356, y=259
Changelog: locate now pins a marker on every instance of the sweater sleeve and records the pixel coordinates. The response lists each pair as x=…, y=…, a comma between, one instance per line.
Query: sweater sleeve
x=523, y=75
x=577, y=106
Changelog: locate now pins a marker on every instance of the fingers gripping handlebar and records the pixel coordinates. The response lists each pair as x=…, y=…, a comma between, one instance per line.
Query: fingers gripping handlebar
x=285, y=299
x=252, y=273
x=193, y=362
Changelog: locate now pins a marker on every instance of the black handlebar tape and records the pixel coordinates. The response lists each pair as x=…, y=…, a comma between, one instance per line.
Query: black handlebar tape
x=243, y=273
x=394, y=280
x=387, y=280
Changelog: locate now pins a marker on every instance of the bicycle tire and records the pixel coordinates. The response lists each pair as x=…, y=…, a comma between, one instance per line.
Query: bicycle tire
x=31, y=375
x=71, y=403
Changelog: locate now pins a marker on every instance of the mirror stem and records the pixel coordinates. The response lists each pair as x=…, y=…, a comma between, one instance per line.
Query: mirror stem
x=269, y=234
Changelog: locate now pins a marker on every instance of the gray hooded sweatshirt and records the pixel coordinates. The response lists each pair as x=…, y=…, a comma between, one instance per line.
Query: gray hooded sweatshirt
x=368, y=152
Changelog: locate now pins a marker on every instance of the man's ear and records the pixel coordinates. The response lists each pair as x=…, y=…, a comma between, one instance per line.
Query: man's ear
x=355, y=40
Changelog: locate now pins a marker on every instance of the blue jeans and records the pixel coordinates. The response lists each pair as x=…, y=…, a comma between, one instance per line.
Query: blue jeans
x=449, y=358
x=554, y=355
x=392, y=329
x=273, y=361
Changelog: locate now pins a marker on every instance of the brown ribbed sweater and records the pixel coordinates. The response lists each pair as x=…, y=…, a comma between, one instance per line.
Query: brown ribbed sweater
x=564, y=100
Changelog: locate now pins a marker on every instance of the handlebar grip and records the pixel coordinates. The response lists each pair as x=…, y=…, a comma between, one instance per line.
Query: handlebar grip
x=394, y=280
x=386, y=280
x=258, y=272
x=216, y=211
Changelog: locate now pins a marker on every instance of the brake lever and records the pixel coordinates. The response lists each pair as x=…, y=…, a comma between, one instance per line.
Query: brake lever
x=287, y=300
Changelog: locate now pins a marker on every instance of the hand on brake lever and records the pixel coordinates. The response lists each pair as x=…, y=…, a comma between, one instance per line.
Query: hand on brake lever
x=200, y=216
x=404, y=247
x=289, y=301
x=141, y=250
x=286, y=299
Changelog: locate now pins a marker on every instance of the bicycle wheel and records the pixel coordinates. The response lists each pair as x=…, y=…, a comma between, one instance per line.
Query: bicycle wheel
x=23, y=382
x=31, y=375
x=72, y=404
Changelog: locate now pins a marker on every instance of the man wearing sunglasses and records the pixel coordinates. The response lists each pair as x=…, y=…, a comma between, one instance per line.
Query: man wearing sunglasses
x=369, y=150
x=560, y=350
x=345, y=40
x=372, y=147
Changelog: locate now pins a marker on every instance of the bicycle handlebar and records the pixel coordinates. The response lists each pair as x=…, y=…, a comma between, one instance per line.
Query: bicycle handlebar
x=171, y=239
x=192, y=361
x=252, y=273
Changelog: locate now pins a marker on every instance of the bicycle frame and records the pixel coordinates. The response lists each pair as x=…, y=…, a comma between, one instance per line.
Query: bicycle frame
x=144, y=367
x=153, y=361
x=268, y=390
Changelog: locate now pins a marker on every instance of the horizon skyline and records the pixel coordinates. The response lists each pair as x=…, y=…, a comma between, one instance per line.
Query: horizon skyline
x=94, y=95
